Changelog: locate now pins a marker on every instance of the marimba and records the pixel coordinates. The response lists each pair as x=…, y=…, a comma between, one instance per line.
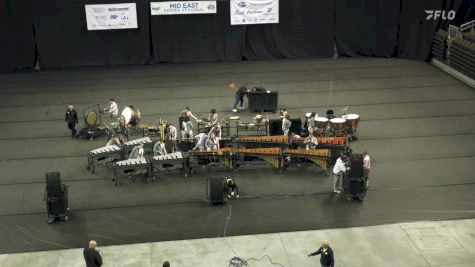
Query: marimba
x=319, y=157
x=264, y=141
x=130, y=168
x=272, y=156
x=170, y=161
x=103, y=155
x=211, y=158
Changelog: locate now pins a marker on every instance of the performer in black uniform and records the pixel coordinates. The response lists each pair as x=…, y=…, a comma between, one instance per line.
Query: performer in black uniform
x=326, y=255
x=71, y=119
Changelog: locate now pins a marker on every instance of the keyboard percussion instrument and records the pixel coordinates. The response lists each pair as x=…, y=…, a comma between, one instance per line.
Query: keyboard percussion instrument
x=103, y=155
x=131, y=168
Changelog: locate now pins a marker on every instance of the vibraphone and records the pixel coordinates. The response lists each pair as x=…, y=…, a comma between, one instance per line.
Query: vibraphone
x=170, y=161
x=272, y=156
x=319, y=157
x=211, y=158
x=264, y=141
x=147, y=144
x=103, y=155
x=131, y=168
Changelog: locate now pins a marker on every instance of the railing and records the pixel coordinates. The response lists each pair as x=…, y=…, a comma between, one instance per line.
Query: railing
x=467, y=26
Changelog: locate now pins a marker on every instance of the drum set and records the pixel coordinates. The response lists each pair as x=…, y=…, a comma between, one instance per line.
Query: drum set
x=344, y=126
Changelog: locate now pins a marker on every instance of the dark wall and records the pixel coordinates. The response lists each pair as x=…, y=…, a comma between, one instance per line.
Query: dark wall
x=17, y=45
x=367, y=27
x=307, y=29
x=195, y=38
x=63, y=39
x=415, y=31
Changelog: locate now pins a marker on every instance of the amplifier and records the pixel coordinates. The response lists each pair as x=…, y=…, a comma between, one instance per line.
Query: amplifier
x=263, y=101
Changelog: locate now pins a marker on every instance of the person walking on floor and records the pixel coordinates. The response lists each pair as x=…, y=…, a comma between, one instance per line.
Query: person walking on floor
x=366, y=167
x=239, y=97
x=326, y=255
x=92, y=256
x=71, y=119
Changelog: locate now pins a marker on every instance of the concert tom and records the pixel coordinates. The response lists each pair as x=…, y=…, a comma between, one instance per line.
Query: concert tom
x=352, y=121
x=338, y=125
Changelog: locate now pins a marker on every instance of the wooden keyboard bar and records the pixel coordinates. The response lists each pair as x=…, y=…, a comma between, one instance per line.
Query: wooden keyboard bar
x=311, y=152
x=266, y=139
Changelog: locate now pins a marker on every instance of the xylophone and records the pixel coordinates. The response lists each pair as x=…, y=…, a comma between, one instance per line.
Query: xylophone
x=147, y=144
x=272, y=156
x=169, y=161
x=131, y=167
x=103, y=155
x=320, y=157
x=222, y=156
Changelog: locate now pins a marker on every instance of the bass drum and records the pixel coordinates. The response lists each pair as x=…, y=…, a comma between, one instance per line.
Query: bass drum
x=131, y=116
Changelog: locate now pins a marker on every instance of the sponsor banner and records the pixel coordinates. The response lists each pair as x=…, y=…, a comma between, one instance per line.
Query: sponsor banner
x=111, y=16
x=183, y=7
x=254, y=11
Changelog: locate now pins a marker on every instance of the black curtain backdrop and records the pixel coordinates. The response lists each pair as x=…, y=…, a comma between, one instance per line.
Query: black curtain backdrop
x=57, y=30
x=63, y=39
x=197, y=38
x=17, y=46
x=415, y=31
x=367, y=27
x=305, y=30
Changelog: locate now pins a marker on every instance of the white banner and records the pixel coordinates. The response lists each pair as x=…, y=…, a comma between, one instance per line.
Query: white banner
x=254, y=11
x=111, y=16
x=183, y=7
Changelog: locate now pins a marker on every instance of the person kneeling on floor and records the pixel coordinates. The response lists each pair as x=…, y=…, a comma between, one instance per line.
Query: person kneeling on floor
x=231, y=188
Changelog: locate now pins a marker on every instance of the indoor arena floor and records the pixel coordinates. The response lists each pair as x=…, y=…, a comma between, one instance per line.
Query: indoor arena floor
x=417, y=123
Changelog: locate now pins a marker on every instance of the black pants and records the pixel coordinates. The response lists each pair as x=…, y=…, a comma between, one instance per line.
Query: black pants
x=72, y=127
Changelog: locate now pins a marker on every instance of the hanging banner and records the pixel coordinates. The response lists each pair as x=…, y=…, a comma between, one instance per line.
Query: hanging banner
x=183, y=7
x=111, y=16
x=254, y=11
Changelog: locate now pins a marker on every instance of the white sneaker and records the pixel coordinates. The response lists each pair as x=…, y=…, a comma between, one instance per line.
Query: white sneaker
x=234, y=110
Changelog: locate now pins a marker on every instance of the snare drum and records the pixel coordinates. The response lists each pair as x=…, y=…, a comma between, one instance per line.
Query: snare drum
x=321, y=123
x=338, y=124
x=352, y=121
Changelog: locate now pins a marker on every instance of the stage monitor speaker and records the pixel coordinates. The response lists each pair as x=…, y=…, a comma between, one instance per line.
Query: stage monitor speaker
x=56, y=197
x=263, y=101
x=356, y=165
x=275, y=126
x=216, y=191
x=53, y=185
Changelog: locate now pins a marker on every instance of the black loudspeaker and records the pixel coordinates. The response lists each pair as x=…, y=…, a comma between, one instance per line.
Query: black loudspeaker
x=53, y=185
x=262, y=101
x=56, y=197
x=356, y=165
x=216, y=191
x=357, y=187
x=275, y=126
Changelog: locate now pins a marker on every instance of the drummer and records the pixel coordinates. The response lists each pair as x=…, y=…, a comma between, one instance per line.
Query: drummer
x=200, y=142
x=311, y=123
x=171, y=132
x=311, y=142
x=116, y=140
x=112, y=109
x=216, y=131
x=159, y=148
x=213, y=117
x=286, y=123
x=187, y=128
